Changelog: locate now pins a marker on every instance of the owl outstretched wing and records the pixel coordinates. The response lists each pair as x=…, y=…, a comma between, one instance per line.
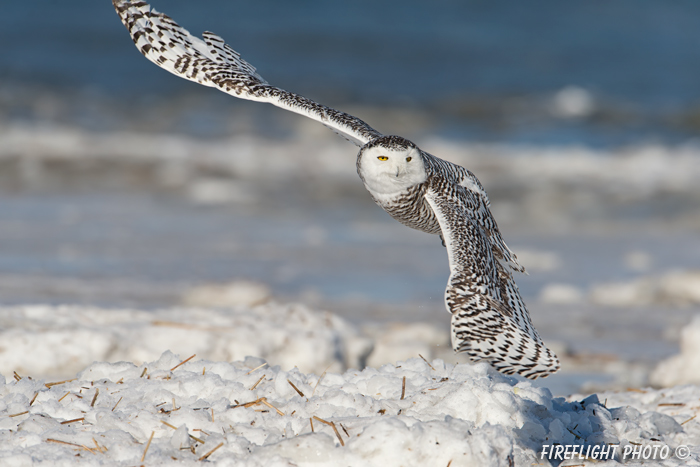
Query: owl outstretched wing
x=489, y=319
x=212, y=62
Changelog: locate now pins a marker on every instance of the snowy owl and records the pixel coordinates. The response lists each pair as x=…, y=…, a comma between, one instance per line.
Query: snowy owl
x=489, y=319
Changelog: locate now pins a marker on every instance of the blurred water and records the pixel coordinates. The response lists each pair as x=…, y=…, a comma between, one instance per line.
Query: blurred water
x=479, y=70
x=93, y=213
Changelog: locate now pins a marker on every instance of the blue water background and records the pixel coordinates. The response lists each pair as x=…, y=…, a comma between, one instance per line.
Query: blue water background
x=480, y=69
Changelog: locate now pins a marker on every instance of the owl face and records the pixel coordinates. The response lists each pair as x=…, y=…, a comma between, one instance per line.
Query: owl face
x=390, y=169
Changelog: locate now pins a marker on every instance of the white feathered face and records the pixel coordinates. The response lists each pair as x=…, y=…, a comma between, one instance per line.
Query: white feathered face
x=391, y=169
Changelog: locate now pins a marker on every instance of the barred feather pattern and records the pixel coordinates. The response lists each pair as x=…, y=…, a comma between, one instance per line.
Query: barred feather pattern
x=211, y=62
x=489, y=319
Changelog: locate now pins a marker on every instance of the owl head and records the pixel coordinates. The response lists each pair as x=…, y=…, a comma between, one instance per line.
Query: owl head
x=390, y=164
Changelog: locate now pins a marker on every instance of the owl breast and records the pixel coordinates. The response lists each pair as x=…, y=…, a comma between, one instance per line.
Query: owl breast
x=410, y=208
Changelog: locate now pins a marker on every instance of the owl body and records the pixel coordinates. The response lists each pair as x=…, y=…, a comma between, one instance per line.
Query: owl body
x=489, y=319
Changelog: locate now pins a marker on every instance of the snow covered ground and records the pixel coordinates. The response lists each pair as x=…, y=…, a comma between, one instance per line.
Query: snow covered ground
x=275, y=384
x=163, y=412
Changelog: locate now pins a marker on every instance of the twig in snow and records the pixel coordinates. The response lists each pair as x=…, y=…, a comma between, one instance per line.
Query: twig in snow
x=115, y=405
x=82, y=419
x=296, y=388
x=258, y=382
x=689, y=419
x=264, y=401
x=183, y=362
x=49, y=385
x=148, y=445
x=426, y=361
x=256, y=368
x=332, y=425
x=211, y=452
x=319, y=379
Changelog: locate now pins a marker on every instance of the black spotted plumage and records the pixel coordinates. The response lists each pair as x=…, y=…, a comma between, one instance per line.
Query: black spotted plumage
x=489, y=319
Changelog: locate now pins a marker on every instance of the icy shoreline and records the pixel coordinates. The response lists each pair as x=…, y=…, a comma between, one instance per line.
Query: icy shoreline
x=411, y=413
x=298, y=401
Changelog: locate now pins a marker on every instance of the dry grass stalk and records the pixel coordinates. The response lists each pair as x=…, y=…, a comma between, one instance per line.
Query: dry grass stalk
x=64, y=396
x=148, y=445
x=17, y=377
x=258, y=382
x=183, y=362
x=102, y=449
x=672, y=404
x=636, y=390
x=143, y=373
x=311, y=421
x=82, y=419
x=168, y=425
x=81, y=446
x=256, y=368
x=403, y=388
x=199, y=440
x=264, y=401
x=97, y=393
x=344, y=429
x=18, y=414
x=211, y=452
x=115, y=405
x=296, y=389
x=332, y=425
x=247, y=404
x=449, y=463
x=691, y=418
x=58, y=441
x=33, y=398
x=320, y=379
x=49, y=385
x=204, y=370
x=426, y=361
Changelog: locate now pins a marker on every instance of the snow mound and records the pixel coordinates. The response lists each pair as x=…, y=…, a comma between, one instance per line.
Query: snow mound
x=59, y=341
x=411, y=413
x=678, y=288
x=683, y=368
x=235, y=293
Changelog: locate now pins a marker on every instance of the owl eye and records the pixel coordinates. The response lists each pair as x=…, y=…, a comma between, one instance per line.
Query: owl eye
x=408, y=159
x=382, y=158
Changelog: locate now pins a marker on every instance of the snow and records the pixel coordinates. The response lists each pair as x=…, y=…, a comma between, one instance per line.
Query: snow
x=676, y=288
x=466, y=414
x=262, y=373
x=635, y=172
x=61, y=340
x=683, y=368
